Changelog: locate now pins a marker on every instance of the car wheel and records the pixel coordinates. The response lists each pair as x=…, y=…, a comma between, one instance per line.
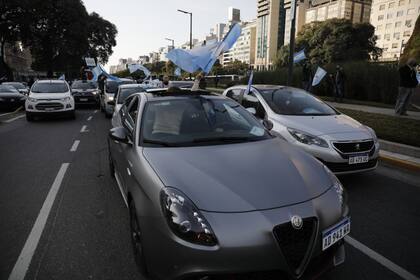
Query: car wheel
x=136, y=238
x=29, y=117
x=111, y=163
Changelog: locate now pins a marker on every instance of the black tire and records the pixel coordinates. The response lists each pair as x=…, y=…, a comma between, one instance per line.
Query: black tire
x=73, y=115
x=136, y=239
x=107, y=115
x=29, y=117
x=111, y=163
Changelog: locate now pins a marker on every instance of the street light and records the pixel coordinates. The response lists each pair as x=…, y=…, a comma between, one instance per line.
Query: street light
x=292, y=41
x=173, y=42
x=188, y=13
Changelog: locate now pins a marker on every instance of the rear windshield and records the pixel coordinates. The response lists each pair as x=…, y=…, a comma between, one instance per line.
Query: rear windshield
x=112, y=86
x=6, y=88
x=83, y=85
x=126, y=92
x=50, y=88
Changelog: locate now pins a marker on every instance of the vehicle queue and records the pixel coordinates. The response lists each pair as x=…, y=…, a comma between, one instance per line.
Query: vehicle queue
x=196, y=169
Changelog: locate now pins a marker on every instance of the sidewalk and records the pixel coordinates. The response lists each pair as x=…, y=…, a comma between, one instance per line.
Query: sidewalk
x=375, y=110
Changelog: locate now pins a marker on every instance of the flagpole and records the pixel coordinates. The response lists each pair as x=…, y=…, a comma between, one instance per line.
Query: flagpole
x=292, y=42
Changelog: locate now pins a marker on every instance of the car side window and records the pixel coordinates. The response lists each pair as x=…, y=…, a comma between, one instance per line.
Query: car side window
x=235, y=94
x=124, y=108
x=251, y=101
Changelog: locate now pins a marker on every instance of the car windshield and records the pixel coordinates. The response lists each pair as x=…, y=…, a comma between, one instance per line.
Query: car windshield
x=49, y=88
x=112, y=86
x=295, y=102
x=198, y=121
x=7, y=89
x=16, y=85
x=83, y=85
x=126, y=92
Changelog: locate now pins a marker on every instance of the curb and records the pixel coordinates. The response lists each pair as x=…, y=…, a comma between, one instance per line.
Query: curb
x=401, y=163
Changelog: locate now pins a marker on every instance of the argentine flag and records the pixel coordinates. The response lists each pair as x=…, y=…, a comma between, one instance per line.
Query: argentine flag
x=299, y=56
x=319, y=75
x=134, y=67
x=99, y=70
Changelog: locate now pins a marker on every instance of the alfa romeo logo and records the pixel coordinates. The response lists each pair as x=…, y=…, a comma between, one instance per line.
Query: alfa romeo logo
x=357, y=146
x=296, y=221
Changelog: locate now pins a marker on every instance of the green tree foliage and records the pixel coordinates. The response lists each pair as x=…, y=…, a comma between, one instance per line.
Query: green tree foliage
x=101, y=37
x=412, y=49
x=334, y=40
x=233, y=68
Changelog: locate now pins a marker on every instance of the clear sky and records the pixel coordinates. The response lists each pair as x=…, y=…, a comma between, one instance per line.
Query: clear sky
x=143, y=25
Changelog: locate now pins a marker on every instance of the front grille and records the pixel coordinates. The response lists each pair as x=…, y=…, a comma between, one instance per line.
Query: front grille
x=345, y=167
x=52, y=106
x=354, y=147
x=296, y=244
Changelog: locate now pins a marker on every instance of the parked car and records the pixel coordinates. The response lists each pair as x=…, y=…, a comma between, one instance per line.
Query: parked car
x=124, y=91
x=85, y=92
x=50, y=97
x=340, y=142
x=19, y=86
x=10, y=98
x=109, y=94
x=207, y=184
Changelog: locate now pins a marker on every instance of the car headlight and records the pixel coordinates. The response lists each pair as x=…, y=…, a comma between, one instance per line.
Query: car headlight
x=372, y=132
x=338, y=187
x=31, y=99
x=185, y=219
x=308, y=139
x=66, y=99
x=110, y=98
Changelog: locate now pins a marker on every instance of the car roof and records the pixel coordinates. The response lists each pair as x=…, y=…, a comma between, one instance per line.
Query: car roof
x=131, y=86
x=11, y=83
x=50, y=81
x=163, y=94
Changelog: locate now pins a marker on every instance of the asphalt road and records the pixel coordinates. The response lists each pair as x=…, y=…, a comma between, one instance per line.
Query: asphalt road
x=86, y=235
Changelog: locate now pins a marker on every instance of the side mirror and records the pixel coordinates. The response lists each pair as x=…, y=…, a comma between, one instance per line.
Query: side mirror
x=120, y=134
x=252, y=110
x=268, y=124
x=111, y=103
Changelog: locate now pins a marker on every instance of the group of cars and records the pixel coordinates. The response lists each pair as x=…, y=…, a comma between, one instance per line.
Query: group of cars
x=241, y=184
x=12, y=95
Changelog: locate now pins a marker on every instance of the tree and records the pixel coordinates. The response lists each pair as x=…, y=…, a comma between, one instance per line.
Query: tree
x=101, y=37
x=412, y=49
x=282, y=58
x=337, y=40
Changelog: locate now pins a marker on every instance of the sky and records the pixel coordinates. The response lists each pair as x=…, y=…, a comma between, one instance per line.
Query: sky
x=143, y=25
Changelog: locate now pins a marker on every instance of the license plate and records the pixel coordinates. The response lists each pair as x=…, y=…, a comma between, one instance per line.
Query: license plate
x=83, y=99
x=335, y=233
x=358, y=159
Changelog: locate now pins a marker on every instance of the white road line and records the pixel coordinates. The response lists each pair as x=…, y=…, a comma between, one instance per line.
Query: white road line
x=25, y=257
x=75, y=145
x=381, y=259
x=83, y=129
x=90, y=118
x=13, y=119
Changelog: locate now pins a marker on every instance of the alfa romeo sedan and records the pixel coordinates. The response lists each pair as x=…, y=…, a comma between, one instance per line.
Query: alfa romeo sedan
x=340, y=142
x=212, y=193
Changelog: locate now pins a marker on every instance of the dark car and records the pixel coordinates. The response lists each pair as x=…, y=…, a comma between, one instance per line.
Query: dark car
x=10, y=98
x=22, y=88
x=85, y=92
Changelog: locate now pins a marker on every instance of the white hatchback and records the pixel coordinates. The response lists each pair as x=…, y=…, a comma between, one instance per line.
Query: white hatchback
x=49, y=97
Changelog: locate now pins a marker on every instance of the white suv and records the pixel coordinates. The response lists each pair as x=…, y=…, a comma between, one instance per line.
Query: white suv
x=49, y=97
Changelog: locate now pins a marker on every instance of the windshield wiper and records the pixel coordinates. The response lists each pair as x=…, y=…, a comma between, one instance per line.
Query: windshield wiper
x=160, y=143
x=223, y=139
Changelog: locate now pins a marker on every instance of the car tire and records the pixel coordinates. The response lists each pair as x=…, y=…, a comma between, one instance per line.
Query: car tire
x=108, y=115
x=73, y=115
x=136, y=239
x=29, y=117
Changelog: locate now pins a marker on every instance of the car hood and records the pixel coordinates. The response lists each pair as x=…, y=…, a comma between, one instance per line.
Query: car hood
x=11, y=95
x=240, y=177
x=322, y=125
x=49, y=95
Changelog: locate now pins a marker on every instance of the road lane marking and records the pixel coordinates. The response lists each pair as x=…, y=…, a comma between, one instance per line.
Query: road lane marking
x=13, y=119
x=83, y=129
x=90, y=117
x=75, y=145
x=25, y=257
x=381, y=259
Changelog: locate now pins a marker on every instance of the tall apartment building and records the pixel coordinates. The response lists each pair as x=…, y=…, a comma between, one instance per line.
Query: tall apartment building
x=244, y=48
x=394, y=22
x=234, y=15
x=354, y=10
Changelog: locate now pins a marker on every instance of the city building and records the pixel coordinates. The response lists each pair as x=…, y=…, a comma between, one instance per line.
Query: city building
x=394, y=22
x=234, y=16
x=154, y=57
x=143, y=59
x=355, y=10
x=220, y=30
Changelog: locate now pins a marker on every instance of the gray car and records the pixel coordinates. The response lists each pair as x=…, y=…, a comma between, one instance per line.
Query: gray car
x=211, y=192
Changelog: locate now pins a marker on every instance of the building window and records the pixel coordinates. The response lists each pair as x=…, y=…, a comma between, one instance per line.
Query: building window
x=410, y=11
x=388, y=25
x=408, y=23
x=382, y=7
x=378, y=37
x=397, y=35
x=388, y=16
x=407, y=33
x=394, y=45
x=380, y=17
x=398, y=24
x=379, y=27
x=387, y=37
x=391, y=5
x=400, y=13
x=401, y=3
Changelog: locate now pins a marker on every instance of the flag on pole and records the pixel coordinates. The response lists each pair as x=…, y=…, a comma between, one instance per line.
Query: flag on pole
x=62, y=77
x=203, y=57
x=299, y=56
x=319, y=75
x=100, y=70
x=251, y=77
x=177, y=72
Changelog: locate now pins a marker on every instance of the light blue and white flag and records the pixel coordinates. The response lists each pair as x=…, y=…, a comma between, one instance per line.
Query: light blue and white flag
x=135, y=67
x=203, y=57
x=100, y=70
x=177, y=72
x=251, y=77
x=418, y=77
x=62, y=77
x=319, y=75
x=299, y=56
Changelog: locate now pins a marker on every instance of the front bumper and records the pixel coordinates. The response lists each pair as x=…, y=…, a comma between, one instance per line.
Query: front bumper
x=49, y=107
x=247, y=244
x=85, y=99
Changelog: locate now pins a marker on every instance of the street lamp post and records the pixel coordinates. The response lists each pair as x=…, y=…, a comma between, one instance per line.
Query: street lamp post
x=173, y=42
x=292, y=41
x=188, y=13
